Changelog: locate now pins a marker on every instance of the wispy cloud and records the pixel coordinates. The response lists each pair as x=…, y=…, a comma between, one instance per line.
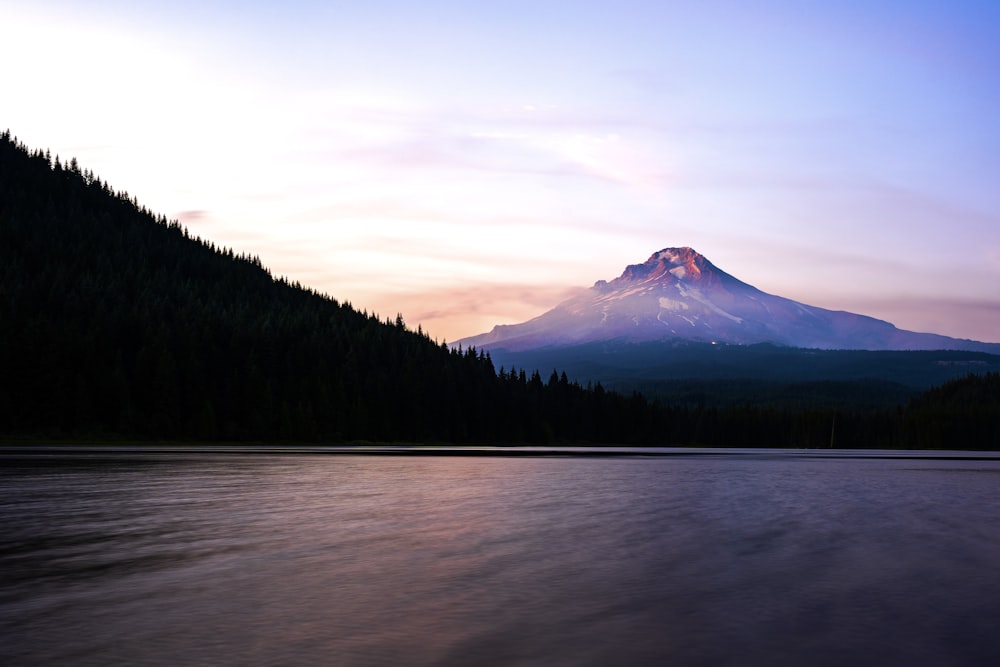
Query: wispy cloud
x=468, y=310
x=976, y=319
x=192, y=216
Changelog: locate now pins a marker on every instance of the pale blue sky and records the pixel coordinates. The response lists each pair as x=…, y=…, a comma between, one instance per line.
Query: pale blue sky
x=468, y=164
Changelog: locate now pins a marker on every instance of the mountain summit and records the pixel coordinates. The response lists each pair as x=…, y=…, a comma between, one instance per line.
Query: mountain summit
x=678, y=294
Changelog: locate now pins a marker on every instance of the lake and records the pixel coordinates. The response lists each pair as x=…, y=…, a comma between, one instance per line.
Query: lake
x=700, y=557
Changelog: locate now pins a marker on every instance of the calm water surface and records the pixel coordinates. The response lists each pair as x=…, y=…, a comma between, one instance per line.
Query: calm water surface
x=761, y=559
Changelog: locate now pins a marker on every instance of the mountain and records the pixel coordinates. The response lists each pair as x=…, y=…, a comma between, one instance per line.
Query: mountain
x=679, y=295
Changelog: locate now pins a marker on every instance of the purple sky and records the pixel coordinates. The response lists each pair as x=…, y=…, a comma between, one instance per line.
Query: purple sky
x=468, y=164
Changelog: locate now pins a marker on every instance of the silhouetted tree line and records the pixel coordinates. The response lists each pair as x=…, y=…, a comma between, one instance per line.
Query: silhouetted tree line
x=118, y=323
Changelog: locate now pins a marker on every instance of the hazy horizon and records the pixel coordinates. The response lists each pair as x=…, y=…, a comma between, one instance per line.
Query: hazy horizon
x=469, y=166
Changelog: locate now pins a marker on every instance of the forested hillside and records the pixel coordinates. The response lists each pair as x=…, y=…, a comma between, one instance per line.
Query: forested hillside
x=955, y=414
x=116, y=323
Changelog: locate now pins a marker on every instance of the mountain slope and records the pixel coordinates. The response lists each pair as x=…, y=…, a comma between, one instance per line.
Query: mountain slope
x=677, y=294
x=114, y=322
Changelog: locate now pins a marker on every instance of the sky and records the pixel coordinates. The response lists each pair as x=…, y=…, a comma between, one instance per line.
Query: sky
x=468, y=164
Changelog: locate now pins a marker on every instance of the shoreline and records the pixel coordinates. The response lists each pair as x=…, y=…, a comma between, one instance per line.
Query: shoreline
x=53, y=450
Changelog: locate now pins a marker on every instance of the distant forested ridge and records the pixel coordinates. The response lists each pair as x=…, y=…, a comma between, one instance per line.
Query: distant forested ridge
x=116, y=322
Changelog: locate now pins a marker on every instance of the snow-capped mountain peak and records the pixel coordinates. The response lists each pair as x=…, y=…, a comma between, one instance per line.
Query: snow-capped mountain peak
x=679, y=263
x=678, y=294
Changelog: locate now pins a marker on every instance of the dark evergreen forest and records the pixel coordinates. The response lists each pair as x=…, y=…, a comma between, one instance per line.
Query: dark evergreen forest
x=116, y=323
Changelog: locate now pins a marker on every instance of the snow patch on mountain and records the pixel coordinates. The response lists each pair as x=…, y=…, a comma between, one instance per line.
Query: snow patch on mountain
x=695, y=293
x=670, y=304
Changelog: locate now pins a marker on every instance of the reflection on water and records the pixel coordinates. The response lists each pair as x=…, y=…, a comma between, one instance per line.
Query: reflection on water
x=367, y=560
